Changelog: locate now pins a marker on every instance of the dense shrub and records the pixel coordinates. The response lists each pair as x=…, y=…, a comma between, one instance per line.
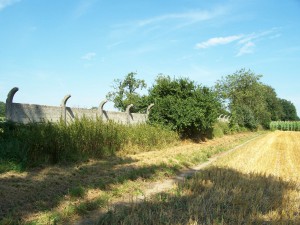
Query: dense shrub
x=183, y=106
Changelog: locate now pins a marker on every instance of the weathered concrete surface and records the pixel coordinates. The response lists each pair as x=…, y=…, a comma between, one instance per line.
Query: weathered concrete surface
x=29, y=113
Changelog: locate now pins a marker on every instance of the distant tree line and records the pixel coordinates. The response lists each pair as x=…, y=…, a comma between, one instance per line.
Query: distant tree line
x=252, y=103
x=192, y=109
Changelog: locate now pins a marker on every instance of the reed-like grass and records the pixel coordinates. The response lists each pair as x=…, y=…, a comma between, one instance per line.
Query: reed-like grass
x=220, y=129
x=42, y=143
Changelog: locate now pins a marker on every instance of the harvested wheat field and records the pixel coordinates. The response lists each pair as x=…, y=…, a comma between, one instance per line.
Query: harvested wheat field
x=277, y=154
x=258, y=183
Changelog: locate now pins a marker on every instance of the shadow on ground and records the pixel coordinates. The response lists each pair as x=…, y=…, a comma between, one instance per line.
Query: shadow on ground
x=215, y=196
x=42, y=191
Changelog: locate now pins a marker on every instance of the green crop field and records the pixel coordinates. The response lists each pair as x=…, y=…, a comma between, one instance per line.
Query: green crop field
x=285, y=125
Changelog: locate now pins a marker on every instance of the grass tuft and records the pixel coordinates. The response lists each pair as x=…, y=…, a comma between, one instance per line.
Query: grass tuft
x=85, y=207
x=77, y=192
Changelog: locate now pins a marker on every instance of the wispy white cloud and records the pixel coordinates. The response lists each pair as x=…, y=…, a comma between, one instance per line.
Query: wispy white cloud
x=160, y=25
x=192, y=16
x=245, y=42
x=260, y=35
x=114, y=44
x=218, y=41
x=82, y=7
x=170, y=21
x=89, y=56
x=275, y=36
x=6, y=3
x=247, y=48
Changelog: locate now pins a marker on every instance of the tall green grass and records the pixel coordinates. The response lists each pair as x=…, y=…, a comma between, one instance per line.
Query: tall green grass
x=285, y=125
x=220, y=129
x=39, y=143
x=223, y=128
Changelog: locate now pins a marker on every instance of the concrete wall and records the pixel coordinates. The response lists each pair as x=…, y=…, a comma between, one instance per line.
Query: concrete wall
x=27, y=113
x=224, y=118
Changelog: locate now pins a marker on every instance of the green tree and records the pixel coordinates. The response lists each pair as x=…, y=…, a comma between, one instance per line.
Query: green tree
x=2, y=109
x=243, y=116
x=274, y=105
x=183, y=106
x=289, y=111
x=125, y=93
x=243, y=92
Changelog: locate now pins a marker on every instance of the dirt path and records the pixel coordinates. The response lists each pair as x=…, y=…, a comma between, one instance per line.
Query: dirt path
x=169, y=183
x=161, y=186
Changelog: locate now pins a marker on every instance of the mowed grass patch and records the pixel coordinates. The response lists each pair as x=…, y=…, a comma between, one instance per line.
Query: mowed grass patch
x=256, y=184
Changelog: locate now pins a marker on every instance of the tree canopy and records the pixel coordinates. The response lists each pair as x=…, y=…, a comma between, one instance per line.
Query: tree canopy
x=2, y=109
x=192, y=109
x=289, y=111
x=251, y=102
x=183, y=105
x=125, y=93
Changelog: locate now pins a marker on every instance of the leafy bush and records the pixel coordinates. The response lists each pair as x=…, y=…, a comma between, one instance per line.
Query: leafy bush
x=183, y=106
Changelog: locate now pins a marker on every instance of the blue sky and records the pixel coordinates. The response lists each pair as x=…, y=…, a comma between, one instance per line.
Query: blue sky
x=52, y=48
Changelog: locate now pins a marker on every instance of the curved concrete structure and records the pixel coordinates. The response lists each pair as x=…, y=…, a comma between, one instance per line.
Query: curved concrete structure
x=9, y=101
